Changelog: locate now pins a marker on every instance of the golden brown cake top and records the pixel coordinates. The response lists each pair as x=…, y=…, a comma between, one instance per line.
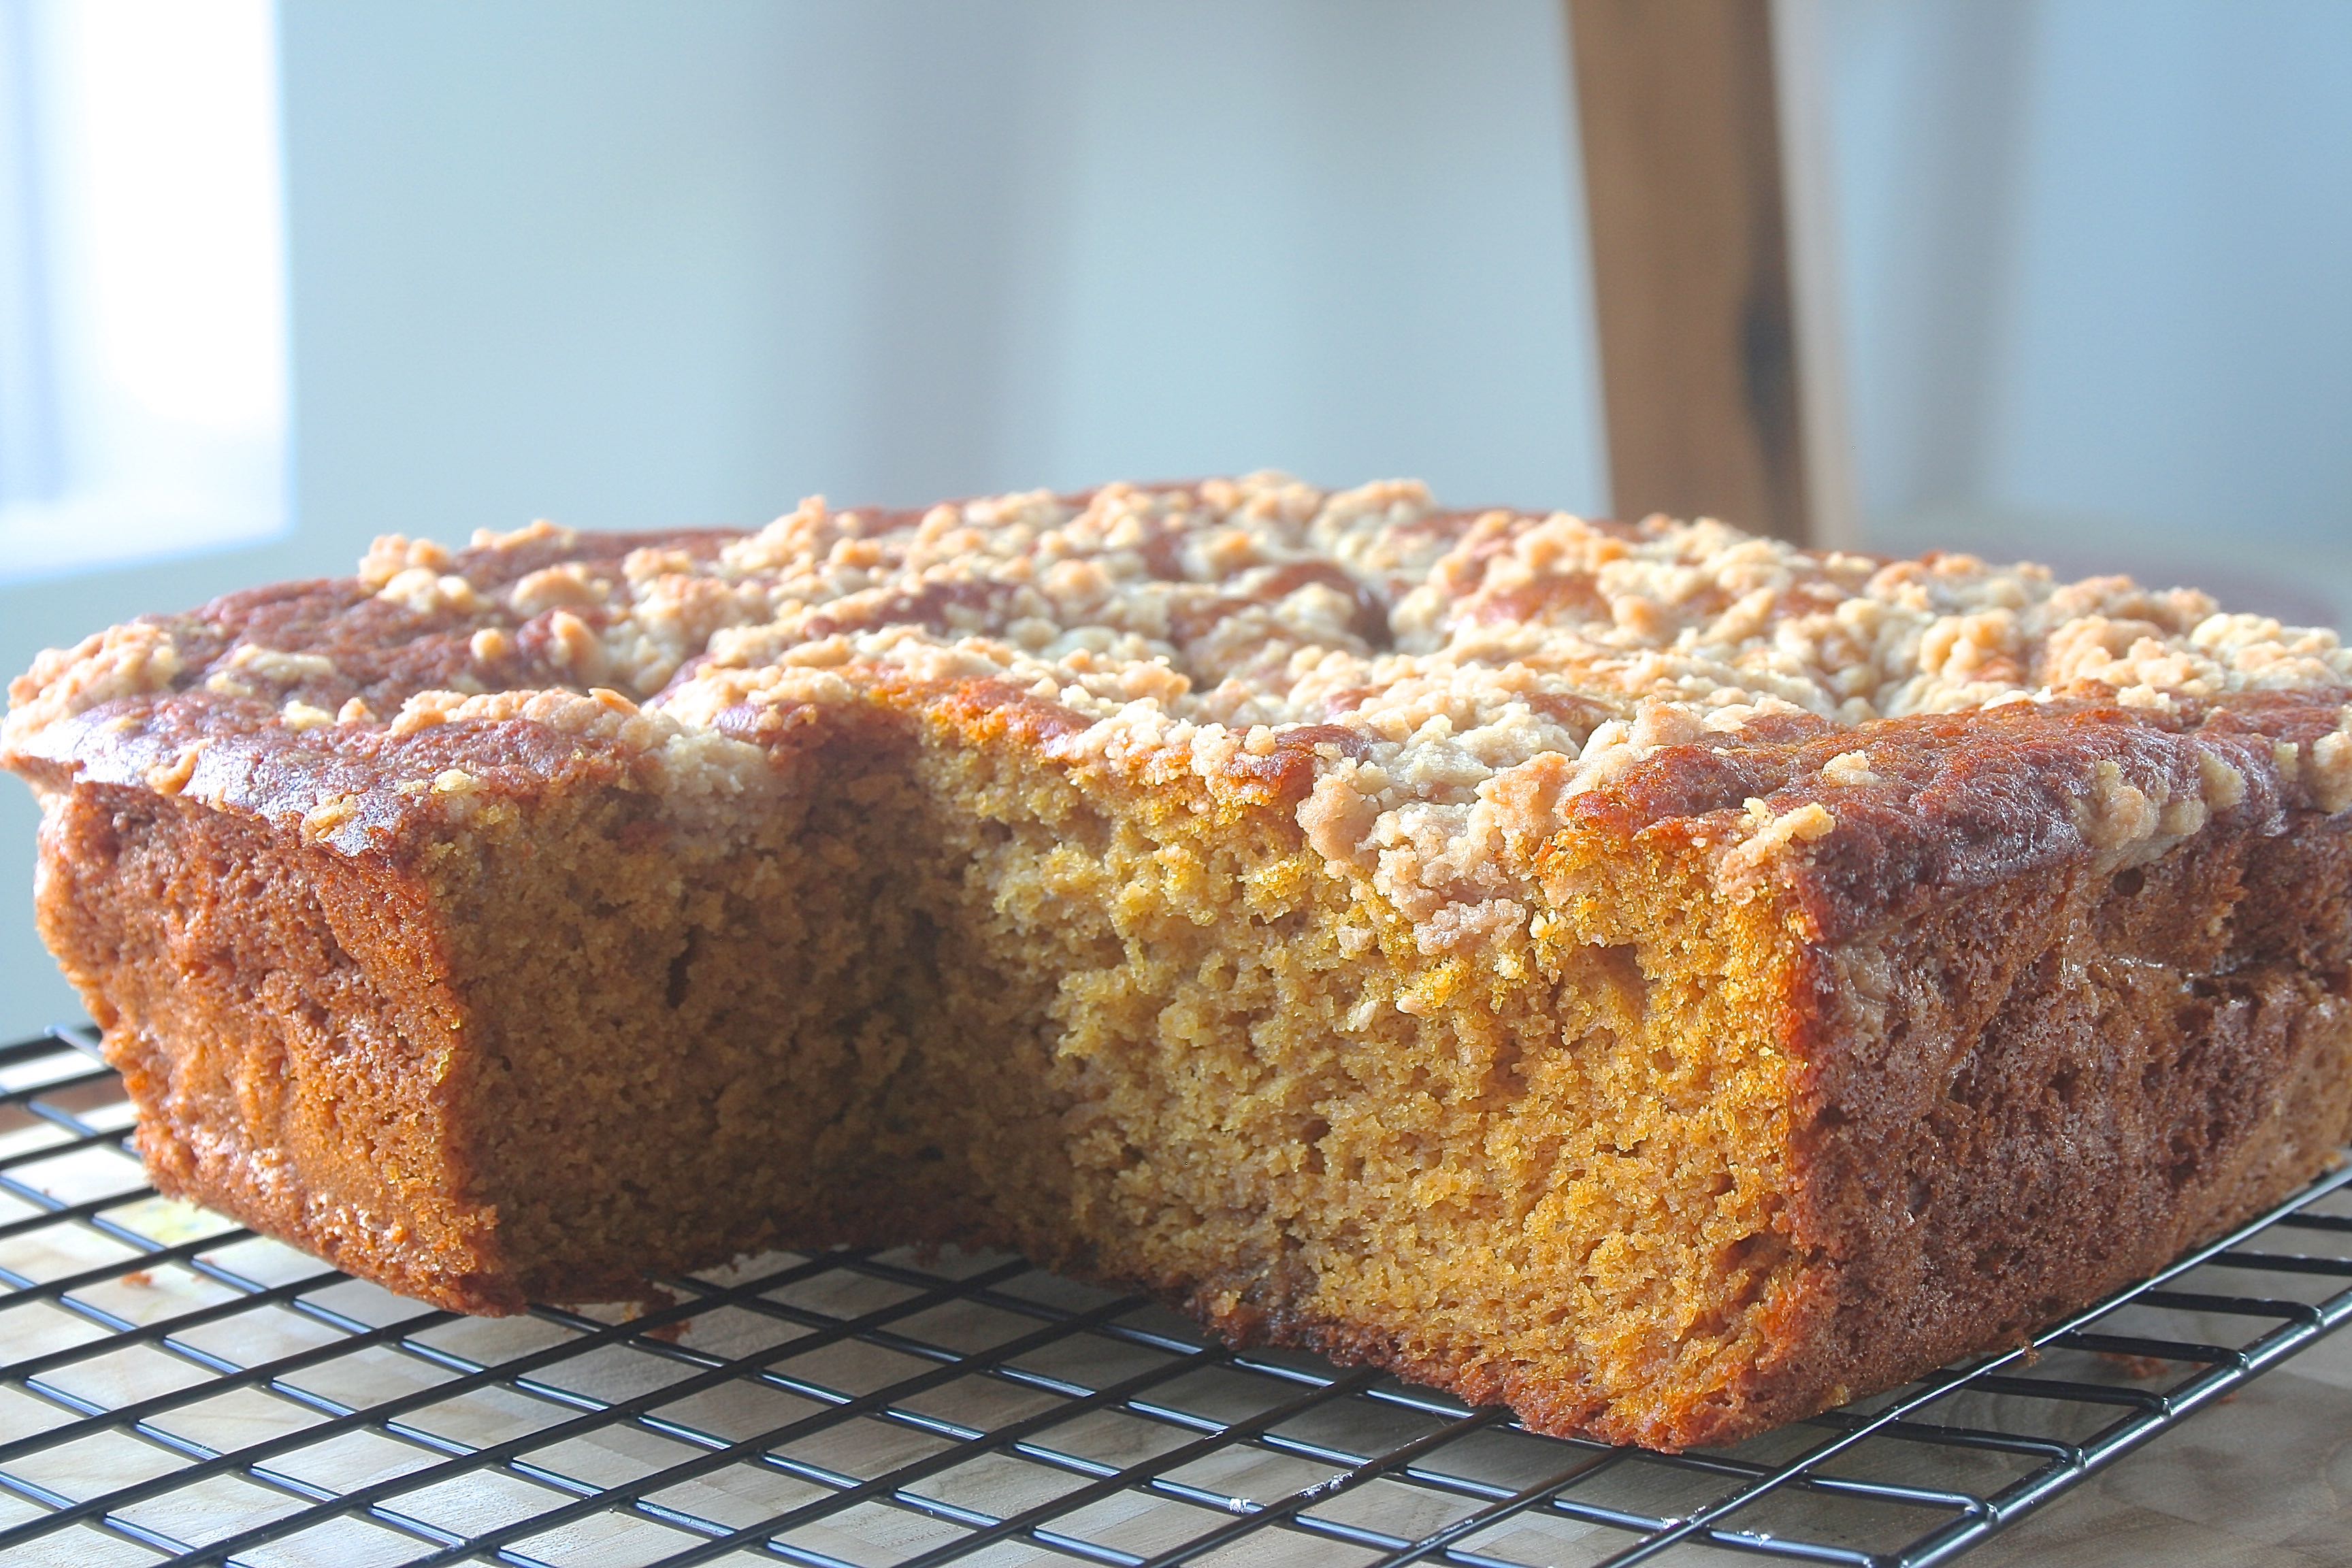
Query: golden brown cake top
x=1455, y=676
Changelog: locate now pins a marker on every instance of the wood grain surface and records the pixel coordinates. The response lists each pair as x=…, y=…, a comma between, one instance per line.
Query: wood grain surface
x=1676, y=105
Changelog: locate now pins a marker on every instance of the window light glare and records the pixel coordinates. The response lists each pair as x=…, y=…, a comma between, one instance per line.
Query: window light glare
x=155, y=202
x=175, y=116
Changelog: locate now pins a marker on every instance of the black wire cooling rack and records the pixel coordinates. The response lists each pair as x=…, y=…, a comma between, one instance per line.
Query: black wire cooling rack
x=177, y=1388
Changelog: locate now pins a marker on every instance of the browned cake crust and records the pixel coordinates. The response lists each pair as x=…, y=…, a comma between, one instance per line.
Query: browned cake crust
x=1770, y=1062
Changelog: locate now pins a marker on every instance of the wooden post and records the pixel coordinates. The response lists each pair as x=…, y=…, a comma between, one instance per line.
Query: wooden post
x=1699, y=344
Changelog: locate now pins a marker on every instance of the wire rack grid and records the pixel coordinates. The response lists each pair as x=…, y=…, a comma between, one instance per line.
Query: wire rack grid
x=176, y=1388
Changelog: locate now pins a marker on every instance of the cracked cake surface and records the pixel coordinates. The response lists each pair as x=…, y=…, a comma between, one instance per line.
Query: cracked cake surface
x=1664, y=978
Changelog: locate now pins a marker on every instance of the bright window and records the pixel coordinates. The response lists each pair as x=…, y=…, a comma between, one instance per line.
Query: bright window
x=142, y=281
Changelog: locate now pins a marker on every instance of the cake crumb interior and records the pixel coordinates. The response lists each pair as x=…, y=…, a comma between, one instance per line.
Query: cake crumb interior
x=953, y=994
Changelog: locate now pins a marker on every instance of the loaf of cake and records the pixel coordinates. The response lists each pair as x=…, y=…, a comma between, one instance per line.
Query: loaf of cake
x=1664, y=980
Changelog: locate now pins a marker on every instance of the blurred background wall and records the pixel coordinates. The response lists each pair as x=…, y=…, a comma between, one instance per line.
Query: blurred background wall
x=634, y=265
x=2097, y=260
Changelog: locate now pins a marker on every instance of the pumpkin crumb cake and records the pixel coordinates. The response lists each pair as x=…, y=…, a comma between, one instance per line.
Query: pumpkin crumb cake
x=1664, y=980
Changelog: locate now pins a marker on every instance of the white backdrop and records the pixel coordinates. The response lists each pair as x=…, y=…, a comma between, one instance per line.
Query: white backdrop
x=2098, y=268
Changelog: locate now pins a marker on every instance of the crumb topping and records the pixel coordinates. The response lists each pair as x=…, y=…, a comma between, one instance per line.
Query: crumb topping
x=1849, y=770
x=1769, y=834
x=131, y=660
x=1487, y=666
